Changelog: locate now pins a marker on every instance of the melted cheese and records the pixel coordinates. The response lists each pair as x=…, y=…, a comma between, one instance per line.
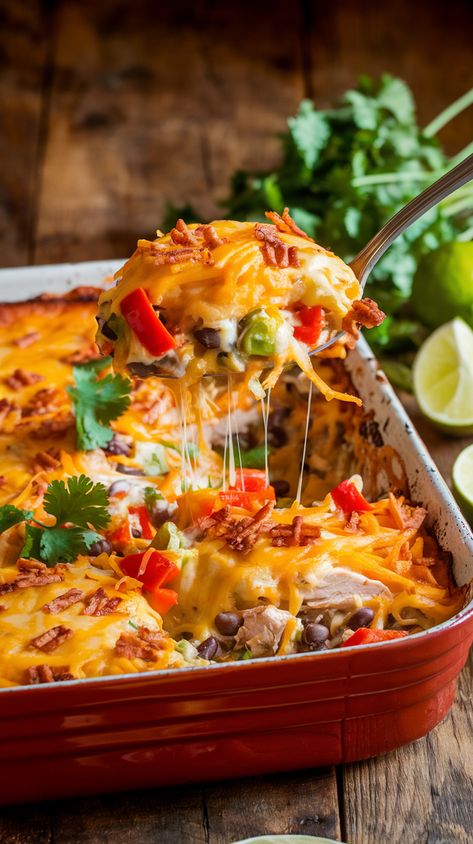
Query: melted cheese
x=90, y=651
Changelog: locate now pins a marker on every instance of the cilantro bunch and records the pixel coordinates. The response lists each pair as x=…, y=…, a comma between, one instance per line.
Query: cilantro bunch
x=97, y=401
x=345, y=171
x=78, y=506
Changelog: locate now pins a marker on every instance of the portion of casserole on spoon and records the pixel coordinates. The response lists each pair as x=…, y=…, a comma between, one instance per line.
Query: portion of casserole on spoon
x=230, y=297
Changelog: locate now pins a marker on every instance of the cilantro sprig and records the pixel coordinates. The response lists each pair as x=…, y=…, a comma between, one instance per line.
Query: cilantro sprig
x=345, y=171
x=97, y=402
x=80, y=509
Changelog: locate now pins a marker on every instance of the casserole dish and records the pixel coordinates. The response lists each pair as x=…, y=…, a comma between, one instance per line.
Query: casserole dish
x=236, y=719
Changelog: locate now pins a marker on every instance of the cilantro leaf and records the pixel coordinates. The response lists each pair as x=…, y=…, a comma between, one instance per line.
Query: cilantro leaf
x=310, y=132
x=79, y=501
x=10, y=515
x=151, y=497
x=65, y=544
x=97, y=401
x=31, y=547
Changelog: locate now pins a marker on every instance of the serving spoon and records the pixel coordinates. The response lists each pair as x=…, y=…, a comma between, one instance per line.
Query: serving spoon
x=364, y=262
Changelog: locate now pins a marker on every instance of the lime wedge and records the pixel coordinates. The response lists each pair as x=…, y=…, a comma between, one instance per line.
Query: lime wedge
x=443, y=378
x=462, y=477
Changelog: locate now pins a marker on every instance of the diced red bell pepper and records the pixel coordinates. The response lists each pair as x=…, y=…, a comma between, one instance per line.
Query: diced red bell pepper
x=367, y=636
x=150, y=567
x=313, y=321
x=162, y=600
x=252, y=480
x=147, y=531
x=145, y=323
x=347, y=497
x=247, y=500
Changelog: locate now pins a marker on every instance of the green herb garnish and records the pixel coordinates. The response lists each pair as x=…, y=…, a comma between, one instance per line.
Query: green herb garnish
x=78, y=506
x=97, y=402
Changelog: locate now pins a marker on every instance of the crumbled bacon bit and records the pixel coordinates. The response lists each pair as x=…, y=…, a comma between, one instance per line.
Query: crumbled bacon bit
x=22, y=378
x=36, y=674
x=32, y=573
x=166, y=255
x=46, y=460
x=100, y=604
x=182, y=235
x=144, y=645
x=7, y=407
x=88, y=352
x=51, y=639
x=286, y=224
x=2, y=608
x=46, y=400
x=275, y=252
x=53, y=427
x=3, y=480
x=239, y=534
x=27, y=339
x=298, y=533
x=363, y=312
x=62, y=602
x=210, y=236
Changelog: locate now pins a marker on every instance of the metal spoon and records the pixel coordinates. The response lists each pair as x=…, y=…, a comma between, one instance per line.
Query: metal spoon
x=364, y=262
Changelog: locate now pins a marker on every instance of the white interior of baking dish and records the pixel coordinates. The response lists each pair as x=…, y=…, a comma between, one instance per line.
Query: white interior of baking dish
x=426, y=485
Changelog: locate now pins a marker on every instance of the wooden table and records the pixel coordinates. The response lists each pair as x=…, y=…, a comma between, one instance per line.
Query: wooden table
x=111, y=109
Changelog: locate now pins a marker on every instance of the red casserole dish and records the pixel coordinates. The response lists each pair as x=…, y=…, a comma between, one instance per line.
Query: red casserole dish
x=241, y=719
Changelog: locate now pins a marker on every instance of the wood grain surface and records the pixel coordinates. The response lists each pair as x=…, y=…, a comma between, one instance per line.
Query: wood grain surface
x=110, y=111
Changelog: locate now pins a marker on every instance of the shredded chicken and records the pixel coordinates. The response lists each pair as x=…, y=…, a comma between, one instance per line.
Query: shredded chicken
x=341, y=588
x=262, y=629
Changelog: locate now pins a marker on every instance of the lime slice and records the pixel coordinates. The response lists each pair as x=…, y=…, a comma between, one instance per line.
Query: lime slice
x=287, y=839
x=462, y=477
x=443, y=378
x=443, y=285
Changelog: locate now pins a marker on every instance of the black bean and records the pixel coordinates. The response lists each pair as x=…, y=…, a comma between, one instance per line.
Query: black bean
x=136, y=533
x=118, y=486
x=315, y=635
x=208, y=337
x=158, y=516
x=228, y=623
x=361, y=618
x=102, y=546
x=143, y=370
x=118, y=446
x=277, y=437
x=208, y=648
x=128, y=470
x=108, y=332
x=281, y=488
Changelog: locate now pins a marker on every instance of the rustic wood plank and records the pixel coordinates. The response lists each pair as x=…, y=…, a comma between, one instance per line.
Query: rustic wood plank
x=420, y=794
x=158, y=104
x=305, y=802
x=423, y=42
x=25, y=36
x=166, y=816
x=27, y=824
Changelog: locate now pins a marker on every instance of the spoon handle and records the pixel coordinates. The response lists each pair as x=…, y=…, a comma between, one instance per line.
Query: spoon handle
x=375, y=249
